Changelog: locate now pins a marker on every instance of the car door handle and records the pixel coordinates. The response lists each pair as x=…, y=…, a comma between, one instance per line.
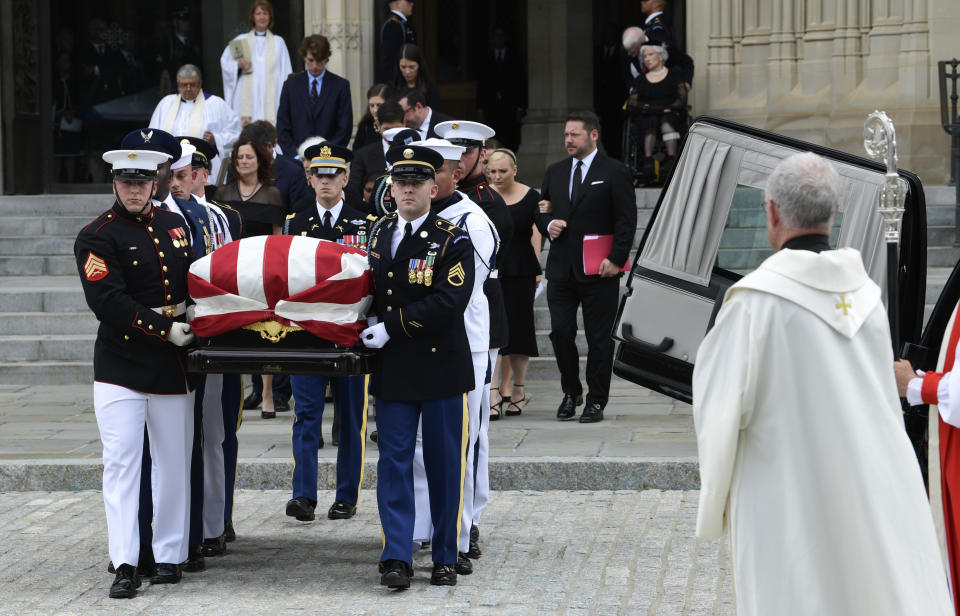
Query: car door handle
x=626, y=330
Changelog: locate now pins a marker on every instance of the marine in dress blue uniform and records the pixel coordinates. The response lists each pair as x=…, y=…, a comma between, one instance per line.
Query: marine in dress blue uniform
x=423, y=281
x=133, y=261
x=330, y=219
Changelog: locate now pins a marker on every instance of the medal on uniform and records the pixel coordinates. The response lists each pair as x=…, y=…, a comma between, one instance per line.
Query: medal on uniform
x=177, y=237
x=361, y=237
x=428, y=269
x=419, y=271
x=412, y=271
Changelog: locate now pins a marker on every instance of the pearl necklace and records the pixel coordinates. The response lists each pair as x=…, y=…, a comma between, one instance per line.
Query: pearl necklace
x=660, y=72
x=256, y=187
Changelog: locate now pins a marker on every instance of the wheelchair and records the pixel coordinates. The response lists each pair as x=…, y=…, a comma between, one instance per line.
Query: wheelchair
x=648, y=171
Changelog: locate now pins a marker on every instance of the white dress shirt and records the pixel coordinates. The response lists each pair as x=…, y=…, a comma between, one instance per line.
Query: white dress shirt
x=401, y=225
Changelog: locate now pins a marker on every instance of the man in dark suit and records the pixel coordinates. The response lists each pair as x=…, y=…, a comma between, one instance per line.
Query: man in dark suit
x=371, y=157
x=418, y=116
x=315, y=102
x=586, y=194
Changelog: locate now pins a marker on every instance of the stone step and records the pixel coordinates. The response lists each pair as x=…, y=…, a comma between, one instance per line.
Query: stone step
x=65, y=225
x=47, y=265
x=48, y=347
x=87, y=206
x=940, y=195
x=36, y=245
x=942, y=235
x=942, y=256
x=41, y=294
x=941, y=215
x=47, y=323
x=46, y=372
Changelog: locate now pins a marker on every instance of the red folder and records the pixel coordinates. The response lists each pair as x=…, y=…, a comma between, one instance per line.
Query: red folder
x=596, y=248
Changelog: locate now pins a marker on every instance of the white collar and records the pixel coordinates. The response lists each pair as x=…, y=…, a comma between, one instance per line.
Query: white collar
x=399, y=14
x=415, y=224
x=587, y=160
x=652, y=15
x=334, y=211
x=425, y=126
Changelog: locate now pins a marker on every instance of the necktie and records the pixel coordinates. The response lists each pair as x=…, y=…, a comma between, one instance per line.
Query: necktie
x=162, y=205
x=577, y=181
x=327, y=226
x=314, y=93
x=407, y=233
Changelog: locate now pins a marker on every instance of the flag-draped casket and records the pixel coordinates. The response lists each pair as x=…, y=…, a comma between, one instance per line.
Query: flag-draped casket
x=261, y=294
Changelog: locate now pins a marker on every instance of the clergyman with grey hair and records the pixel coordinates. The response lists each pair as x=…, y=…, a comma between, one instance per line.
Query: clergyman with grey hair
x=803, y=456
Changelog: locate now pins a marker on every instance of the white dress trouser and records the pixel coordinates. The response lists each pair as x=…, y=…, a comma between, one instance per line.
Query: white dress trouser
x=481, y=493
x=214, y=479
x=121, y=416
x=422, y=526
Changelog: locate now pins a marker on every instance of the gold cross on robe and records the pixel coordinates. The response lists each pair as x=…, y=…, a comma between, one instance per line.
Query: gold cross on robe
x=844, y=305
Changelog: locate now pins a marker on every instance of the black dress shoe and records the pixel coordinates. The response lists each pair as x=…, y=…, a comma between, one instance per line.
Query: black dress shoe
x=281, y=406
x=301, y=508
x=167, y=573
x=592, y=413
x=474, y=551
x=340, y=510
x=395, y=573
x=194, y=562
x=463, y=566
x=568, y=407
x=228, y=533
x=373, y=436
x=252, y=401
x=320, y=444
x=214, y=547
x=126, y=583
x=443, y=575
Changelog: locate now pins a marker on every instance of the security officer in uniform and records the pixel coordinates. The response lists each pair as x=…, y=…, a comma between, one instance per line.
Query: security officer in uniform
x=423, y=279
x=473, y=136
x=330, y=219
x=394, y=33
x=133, y=261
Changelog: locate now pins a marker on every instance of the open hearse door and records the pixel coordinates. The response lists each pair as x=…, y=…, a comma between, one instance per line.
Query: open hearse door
x=709, y=230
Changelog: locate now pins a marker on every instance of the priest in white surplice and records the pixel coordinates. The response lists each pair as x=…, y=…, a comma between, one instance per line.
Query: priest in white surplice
x=251, y=85
x=803, y=453
x=194, y=113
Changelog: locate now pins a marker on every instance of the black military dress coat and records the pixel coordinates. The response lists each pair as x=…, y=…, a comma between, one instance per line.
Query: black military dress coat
x=421, y=295
x=128, y=266
x=352, y=227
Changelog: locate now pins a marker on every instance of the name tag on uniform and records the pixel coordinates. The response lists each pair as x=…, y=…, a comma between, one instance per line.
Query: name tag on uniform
x=596, y=182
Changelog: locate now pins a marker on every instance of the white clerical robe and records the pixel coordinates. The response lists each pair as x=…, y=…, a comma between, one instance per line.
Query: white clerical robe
x=264, y=73
x=802, y=448
x=192, y=119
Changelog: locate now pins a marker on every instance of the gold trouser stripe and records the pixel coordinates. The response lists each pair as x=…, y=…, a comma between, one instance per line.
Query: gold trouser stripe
x=363, y=433
x=464, y=439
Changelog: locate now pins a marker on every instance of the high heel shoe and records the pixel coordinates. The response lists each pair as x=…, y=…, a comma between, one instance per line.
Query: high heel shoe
x=515, y=404
x=495, y=407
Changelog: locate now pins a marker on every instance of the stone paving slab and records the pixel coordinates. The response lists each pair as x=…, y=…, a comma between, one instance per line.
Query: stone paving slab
x=574, y=553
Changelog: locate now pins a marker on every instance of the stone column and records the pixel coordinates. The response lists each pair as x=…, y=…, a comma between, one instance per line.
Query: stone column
x=883, y=61
x=818, y=31
x=349, y=26
x=721, y=75
x=847, y=62
x=754, y=75
x=915, y=62
x=559, y=68
x=783, y=49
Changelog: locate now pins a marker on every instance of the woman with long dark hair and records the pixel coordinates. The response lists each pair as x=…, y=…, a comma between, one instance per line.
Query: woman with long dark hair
x=368, y=130
x=412, y=72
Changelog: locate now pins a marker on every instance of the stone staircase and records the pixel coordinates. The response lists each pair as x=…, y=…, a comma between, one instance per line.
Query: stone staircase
x=47, y=331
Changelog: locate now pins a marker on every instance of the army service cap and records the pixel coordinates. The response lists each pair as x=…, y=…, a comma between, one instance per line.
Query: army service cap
x=465, y=133
x=413, y=162
x=140, y=165
x=328, y=158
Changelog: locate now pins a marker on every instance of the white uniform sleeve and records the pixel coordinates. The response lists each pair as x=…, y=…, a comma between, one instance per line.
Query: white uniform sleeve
x=482, y=236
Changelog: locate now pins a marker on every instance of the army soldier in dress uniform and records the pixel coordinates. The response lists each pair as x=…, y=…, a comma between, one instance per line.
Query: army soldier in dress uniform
x=331, y=219
x=472, y=184
x=394, y=33
x=133, y=262
x=421, y=265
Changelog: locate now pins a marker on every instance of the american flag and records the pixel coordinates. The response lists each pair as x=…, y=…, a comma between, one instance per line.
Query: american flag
x=324, y=287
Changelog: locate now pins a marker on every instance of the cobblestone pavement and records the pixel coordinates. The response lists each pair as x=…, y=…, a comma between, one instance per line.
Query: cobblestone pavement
x=574, y=553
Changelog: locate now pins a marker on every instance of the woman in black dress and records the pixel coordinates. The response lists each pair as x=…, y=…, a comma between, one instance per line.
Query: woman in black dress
x=520, y=273
x=658, y=96
x=368, y=130
x=261, y=205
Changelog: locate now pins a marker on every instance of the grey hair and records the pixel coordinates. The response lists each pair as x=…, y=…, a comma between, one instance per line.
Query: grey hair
x=309, y=141
x=188, y=71
x=806, y=189
x=632, y=37
x=660, y=49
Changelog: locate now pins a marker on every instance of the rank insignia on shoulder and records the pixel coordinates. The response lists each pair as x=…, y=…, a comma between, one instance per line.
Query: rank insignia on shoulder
x=456, y=275
x=371, y=218
x=291, y=216
x=95, y=268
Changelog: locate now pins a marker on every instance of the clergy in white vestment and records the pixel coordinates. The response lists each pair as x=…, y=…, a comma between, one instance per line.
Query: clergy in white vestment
x=252, y=82
x=802, y=448
x=194, y=113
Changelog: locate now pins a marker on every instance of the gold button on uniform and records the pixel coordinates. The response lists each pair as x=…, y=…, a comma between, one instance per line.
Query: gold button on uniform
x=168, y=297
x=389, y=308
x=165, y=282
x=161, y=253
x=389, y=274
x=156, y=241
x=139, y=322
x=164, y=267
x=126, y=337
x=150, y=327
x=433, y=349
x=135, y=263
x=150, y=229
x=163, y=333
x=389, y=291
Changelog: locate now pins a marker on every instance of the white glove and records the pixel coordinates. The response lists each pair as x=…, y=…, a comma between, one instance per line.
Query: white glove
x=191, y=312
x=375, y=337
x=180, y=334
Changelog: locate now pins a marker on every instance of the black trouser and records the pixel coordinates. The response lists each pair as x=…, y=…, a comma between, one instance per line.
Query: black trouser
x=599, y=300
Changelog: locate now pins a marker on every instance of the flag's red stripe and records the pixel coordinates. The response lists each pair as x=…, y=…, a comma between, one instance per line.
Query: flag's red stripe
x=275, y=254
x=223, y=267
x=217, y=324
x=348, y=291
x=200, y=288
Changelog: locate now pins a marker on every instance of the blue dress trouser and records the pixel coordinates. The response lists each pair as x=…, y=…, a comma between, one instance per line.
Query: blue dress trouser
x=232, y=399
x=444, y=457
x=350, y=397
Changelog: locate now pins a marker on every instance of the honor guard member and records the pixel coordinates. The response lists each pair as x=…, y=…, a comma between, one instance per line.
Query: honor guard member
x=455, y=207
x=394, y=33
x=228, y=226
x=133, y=261
x=423, y=279
x=330, y=219
x=473, y=136
x=199, y=243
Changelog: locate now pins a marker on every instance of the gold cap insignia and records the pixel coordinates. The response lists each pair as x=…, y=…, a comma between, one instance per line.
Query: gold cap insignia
x=185, y=142
x=132, y=155
x=454, y=126
x=326, y=152
x=408, y=153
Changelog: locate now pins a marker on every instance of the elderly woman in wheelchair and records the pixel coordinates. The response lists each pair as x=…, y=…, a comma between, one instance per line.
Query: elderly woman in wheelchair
x=658, y=100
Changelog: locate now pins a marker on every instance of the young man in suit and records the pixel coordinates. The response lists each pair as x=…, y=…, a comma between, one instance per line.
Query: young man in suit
x=588, y=193
x=314, y=102
x=371, y=158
